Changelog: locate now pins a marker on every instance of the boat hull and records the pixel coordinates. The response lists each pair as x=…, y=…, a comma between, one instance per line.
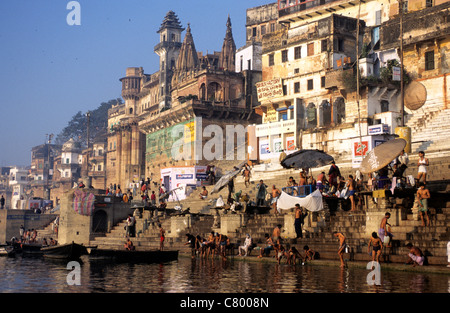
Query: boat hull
x=71, y=251
x=31, y=249
x=150, y=256
x=7, y=251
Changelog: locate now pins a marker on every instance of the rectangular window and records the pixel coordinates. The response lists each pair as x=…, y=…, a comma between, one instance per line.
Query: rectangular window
x=263, y=30
x=311, y=49
x=310, y=84
x=297, y=52
x=272, y=27
x=339, y=44
x=322, y=81
x=378, y=17
x=429, y=60
x=284, y=56
x=254, y=32
x=405, y=7
x=296, y=87
x=271, y=59
x=285, y=90
x=296, y=70
x=428, y=3
x=324, y=45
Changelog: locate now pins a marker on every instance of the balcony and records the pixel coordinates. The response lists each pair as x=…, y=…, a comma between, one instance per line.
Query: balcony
x=97, y=174
x=294, y=10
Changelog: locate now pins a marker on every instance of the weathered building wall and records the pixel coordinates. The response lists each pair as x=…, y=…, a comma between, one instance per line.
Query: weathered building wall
x=74, y=227
x=11, y=220
x=261, y=20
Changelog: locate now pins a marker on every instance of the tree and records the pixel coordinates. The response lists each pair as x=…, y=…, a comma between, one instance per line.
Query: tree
x=77, y=126
x=386, y=73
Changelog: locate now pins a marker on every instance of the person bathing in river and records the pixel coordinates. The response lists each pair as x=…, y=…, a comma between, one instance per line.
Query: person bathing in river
x=377, y=247
x=342, y=246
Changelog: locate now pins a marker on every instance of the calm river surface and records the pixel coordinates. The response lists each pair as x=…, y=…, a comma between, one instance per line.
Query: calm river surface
x=38, y=275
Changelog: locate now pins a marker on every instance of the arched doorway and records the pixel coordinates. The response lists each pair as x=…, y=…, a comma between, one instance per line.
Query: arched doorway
x=214, y=92
x=100, y=222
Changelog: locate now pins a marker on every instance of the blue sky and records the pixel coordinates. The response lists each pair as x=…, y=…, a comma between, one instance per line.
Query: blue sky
x=50, y=70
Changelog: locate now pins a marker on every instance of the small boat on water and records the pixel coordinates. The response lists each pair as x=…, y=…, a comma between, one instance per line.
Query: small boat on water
x=30, y=248
x=8, y=251
x=68, y=251
x=143, y=256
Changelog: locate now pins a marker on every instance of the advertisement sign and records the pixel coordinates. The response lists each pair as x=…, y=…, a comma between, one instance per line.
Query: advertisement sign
x=378, y=129
x=269, y=89
x=200, y=173
x=264, y=147
x=181, y=177
x=290, y=143
x=271, y=115
x=277, y=145
x=162, y=141
x=396, y=73
x=360, y=148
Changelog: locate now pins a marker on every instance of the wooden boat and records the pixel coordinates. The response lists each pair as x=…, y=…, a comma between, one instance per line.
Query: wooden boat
x=70, y=251
x=142, y=256
x=31, y=248
x=8, y=251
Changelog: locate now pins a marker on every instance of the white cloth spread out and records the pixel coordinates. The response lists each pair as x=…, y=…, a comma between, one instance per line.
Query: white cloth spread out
x=312, y=202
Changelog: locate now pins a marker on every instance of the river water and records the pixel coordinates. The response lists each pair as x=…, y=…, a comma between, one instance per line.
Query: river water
x=39, y=275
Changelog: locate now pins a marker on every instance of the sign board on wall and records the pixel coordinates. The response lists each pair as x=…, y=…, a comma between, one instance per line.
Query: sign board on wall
x=162, y=141
x=378, y=129
x=277, y=145
x=361, y=147
x=290, y=143
x=180, y=177
x=396, y=73
x=271, y=115
x=269, y=89
x=263, y=147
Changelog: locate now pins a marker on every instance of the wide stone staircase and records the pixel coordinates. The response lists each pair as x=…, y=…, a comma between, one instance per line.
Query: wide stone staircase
x=429, y=131
x=318, y=235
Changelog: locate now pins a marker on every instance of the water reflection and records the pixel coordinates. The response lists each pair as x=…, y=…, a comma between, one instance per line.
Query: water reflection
x=207, y=276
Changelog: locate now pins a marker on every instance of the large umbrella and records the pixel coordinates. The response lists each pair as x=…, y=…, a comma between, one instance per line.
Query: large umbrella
x=382, y=155
x=223, y=181
x=307, y=159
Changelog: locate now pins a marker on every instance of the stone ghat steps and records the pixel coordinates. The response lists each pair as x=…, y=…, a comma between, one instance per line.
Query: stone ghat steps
x=320, y=239
x=47, y=233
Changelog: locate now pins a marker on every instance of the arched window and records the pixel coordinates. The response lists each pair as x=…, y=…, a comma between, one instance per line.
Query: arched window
x=214, y=92
x=203, y=92
x=384, y=106
x=325, y=108
x=311, y=115
x=339, y=110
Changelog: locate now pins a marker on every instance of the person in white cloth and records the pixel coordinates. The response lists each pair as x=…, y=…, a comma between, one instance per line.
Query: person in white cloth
x=243, y=250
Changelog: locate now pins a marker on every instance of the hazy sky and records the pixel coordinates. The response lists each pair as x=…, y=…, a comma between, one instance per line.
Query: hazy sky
x=50, y=70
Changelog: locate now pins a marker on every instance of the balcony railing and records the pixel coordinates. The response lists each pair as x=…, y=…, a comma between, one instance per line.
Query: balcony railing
x=286, y=7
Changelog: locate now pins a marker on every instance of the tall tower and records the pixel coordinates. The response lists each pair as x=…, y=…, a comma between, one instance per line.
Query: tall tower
x=168, y=50
x=131, y=86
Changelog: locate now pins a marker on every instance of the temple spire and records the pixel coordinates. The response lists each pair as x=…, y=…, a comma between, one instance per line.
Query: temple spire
x=188, y=58
x=227, y=55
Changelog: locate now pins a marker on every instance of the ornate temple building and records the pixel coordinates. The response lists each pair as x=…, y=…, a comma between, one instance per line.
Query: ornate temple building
x=182, y=115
